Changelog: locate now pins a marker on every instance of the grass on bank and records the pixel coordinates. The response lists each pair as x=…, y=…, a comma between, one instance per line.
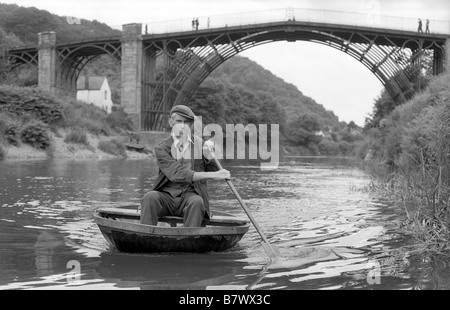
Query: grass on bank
x=113, y=146
x=77, y=136
x=28, y=115
x=426, y=205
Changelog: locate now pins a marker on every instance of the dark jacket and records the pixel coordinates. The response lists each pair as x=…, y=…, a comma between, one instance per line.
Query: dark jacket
x=173, y=170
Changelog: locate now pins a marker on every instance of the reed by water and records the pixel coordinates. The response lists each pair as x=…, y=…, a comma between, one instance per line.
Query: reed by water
x=425, y=199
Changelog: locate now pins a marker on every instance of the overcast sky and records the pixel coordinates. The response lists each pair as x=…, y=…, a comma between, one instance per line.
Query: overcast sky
x=332, y=78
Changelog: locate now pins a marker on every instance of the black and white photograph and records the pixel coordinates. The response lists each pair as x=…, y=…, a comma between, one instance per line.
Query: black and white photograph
x=222, y=153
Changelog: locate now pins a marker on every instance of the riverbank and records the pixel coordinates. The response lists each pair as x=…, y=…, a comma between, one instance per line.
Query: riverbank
x=38, y=125
x=60, y=149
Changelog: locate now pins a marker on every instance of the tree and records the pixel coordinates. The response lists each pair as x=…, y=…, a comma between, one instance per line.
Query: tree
x=9, y=41
x=210, y=101
x=328, y=148
x=22, y=76
x=352, y=125
x=383, y=106
x=303, y=130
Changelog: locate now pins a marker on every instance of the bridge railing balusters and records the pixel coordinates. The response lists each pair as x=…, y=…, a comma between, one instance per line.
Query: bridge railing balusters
x=361, y=19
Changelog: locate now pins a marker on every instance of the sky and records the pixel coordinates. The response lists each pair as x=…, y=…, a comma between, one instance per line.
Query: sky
x=332, y=78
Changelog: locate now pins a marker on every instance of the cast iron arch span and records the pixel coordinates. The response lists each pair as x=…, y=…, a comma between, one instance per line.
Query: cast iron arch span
x=392, y=58
x=73, y=58
x=20, y=57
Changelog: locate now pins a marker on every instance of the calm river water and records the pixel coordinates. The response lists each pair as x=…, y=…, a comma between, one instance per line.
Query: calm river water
x=331, y=232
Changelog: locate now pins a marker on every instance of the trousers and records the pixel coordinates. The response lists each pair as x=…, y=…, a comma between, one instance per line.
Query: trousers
x=189, y=206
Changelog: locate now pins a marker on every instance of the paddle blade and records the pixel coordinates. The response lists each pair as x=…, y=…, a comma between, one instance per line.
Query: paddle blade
x=272, y=251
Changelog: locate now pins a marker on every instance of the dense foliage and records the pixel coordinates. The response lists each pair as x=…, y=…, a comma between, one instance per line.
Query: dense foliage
x=416, y=129
x=254, y=78
x=25, y=76
x=26, y=23
x=31, y=101
x=35, y=134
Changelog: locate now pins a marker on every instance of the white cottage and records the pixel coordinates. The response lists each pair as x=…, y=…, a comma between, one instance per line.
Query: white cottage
x=95, y=90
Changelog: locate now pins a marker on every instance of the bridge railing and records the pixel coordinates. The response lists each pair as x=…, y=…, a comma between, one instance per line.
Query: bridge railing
x=359, y=19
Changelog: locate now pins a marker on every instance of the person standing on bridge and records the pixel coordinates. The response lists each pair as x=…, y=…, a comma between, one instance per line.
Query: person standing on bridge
x=196, y=23
x=419, y=29
x=185, y=164
x=427, y=26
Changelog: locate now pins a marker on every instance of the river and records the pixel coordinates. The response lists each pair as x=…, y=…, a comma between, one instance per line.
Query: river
x=333, y=234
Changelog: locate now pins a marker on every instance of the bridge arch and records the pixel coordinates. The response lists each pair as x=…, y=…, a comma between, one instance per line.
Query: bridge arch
x=73, y=59
x=19, y=60
x=9, y=63
x=24, y=58
x=190, y=61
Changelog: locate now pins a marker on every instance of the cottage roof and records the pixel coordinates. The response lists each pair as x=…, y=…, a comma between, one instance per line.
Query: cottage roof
x=90, y=82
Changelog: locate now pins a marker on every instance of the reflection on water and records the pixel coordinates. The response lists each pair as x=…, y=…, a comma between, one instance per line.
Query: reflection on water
x=332, y=234
x=173, y=271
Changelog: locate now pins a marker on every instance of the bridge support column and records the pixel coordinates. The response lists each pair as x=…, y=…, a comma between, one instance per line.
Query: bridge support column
x=438, y=61
x=47, y=61
x=447, y=55
x=132, y=63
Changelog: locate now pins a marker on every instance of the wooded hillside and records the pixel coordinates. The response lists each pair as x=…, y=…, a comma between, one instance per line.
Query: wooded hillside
x=26, y=23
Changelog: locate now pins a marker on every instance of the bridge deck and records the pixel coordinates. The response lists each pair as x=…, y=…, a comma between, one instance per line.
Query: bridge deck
x=398, y=37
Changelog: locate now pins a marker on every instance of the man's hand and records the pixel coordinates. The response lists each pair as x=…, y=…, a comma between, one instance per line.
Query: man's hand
x=208, y=149
x=221, y=175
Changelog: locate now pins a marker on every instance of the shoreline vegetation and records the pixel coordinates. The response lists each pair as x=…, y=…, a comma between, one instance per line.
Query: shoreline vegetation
x=35, y=125
x=410, y=163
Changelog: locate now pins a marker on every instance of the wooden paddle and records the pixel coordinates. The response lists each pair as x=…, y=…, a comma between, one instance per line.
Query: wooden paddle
x=272, y=251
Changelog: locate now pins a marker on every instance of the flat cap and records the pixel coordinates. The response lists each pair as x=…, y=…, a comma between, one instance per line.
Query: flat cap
x=183, y=111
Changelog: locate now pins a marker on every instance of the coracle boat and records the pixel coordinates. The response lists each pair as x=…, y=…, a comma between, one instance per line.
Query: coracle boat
x=122, y=228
